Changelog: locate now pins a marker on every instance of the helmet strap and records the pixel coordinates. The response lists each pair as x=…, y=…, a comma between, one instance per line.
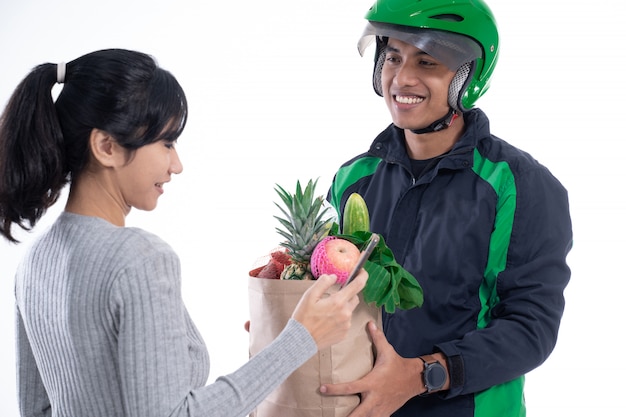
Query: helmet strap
x=440, y=124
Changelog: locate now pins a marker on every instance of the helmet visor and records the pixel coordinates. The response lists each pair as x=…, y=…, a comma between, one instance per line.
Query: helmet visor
x=452, y=49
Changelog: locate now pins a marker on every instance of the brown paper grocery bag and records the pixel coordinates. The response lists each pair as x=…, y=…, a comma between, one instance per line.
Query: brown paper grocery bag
x=272, y=302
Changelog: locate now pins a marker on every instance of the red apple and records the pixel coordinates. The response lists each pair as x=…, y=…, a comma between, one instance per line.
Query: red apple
x=334, y=255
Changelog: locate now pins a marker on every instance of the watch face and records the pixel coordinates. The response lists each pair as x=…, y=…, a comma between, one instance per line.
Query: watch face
x=435, y=376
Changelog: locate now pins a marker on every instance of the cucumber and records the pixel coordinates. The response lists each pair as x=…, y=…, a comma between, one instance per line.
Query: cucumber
x=356, y=217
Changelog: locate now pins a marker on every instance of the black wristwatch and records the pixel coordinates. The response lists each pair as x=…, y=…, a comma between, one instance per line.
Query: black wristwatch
x=434, y=374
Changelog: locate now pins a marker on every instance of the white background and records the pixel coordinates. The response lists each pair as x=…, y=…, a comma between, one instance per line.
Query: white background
x=277, y=92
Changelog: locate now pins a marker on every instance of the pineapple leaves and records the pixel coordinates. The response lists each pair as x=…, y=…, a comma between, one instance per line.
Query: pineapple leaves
x=389, y=284
x=303, y=224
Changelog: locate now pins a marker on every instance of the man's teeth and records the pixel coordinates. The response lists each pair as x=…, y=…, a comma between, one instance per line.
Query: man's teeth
x=409, y=99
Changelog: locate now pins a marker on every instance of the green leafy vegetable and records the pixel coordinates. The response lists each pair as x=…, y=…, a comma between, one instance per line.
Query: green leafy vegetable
x=389, y=284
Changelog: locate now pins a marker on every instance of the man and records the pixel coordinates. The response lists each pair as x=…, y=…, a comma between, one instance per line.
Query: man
x=483, y=227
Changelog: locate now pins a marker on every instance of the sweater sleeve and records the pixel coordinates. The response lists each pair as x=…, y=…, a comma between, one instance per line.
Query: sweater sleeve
x=238, y=393
x=155, y=365
x=32, y=397
x=528, y=303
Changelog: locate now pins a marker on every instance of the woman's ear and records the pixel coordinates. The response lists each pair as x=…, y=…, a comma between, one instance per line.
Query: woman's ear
x=104, y=149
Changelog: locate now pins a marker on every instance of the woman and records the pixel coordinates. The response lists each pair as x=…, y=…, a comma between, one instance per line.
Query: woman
x=102, y=329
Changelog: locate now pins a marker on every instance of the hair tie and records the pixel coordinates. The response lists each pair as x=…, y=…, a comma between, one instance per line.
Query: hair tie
x=61, y=72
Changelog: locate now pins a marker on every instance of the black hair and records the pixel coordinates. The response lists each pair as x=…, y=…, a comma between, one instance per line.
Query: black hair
x=45, y=143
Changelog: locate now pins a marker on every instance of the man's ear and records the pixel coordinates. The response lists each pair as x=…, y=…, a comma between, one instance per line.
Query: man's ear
x=104, y=149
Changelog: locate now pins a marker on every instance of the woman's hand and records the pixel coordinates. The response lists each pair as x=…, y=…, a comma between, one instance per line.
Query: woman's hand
x=328, y=317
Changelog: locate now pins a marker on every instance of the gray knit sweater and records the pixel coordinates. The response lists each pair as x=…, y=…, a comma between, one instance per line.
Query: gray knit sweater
x=102, y=331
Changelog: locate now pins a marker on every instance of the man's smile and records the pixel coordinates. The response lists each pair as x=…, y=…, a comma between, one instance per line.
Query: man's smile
x=408, y=99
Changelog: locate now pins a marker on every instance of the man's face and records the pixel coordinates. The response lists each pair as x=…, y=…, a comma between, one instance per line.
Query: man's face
x=415, y=86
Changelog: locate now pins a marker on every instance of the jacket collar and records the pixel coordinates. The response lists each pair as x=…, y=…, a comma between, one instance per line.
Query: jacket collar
x=390, y=143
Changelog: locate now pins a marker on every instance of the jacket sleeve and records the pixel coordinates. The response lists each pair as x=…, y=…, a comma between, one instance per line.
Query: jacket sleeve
x=32, y=396
x=527, y=303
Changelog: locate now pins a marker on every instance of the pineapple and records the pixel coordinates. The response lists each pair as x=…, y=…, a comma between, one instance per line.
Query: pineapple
x=304, y=227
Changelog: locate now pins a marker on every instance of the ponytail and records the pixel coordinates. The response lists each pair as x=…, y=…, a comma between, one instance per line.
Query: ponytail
x=32, y=172
x=45, y=144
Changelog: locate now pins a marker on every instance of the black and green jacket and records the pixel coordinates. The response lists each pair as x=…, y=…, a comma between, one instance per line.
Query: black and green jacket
x=485, y=230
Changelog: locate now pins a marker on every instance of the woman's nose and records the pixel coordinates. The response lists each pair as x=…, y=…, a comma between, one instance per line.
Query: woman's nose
x=176, y=166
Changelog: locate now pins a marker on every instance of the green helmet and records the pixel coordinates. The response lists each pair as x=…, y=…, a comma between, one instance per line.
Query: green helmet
x=461, y=33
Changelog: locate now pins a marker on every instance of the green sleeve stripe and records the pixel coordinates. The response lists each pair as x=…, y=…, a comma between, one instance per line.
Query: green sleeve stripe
x=505, y=399
x=500, y=177
x=502, y=400
x=350, y=174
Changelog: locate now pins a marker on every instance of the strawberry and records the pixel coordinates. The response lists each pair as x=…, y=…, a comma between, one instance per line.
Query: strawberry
x=278, y=260
x=281, y=258
x=271, y=271
x=255, y=272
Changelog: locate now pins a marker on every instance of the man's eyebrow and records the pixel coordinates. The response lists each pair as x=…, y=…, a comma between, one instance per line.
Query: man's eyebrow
x=397, y=51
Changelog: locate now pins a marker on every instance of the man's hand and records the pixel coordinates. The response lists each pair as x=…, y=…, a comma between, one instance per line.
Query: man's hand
x=390, y=384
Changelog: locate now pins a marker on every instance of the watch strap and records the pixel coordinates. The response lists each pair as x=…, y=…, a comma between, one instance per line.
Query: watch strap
x=428, y=359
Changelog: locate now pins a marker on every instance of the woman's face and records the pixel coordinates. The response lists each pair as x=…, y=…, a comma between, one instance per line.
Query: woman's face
x=141, y=180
